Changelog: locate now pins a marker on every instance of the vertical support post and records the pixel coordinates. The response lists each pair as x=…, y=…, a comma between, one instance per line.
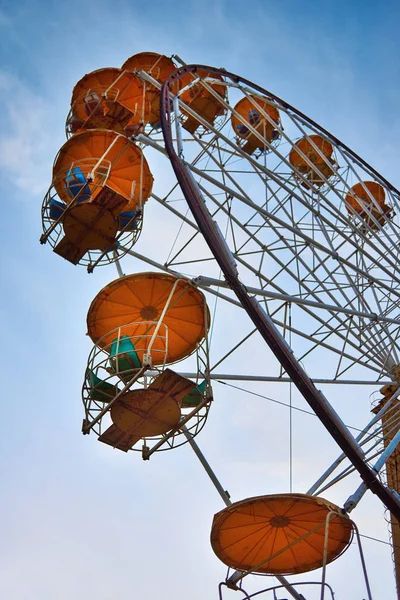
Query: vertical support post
x=227, y=500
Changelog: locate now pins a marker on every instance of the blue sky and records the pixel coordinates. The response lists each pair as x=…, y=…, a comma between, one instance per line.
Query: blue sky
x=80, y=520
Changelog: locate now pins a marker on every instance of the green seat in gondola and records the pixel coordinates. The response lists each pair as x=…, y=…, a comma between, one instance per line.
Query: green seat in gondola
x=195, y=396
x=123, y=356
x=98, y=389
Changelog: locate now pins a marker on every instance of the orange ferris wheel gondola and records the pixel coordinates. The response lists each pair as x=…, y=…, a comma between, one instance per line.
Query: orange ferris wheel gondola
x=367, y=199
x=102, y=180
x=318, y=152
x=106, y=160
x=262, y=115
x=160, y=68
x=109, y=98
x=201, y=99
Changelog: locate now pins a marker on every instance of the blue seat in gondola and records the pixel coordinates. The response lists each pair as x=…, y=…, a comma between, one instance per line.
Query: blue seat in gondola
x=242, y=129
x=76, y=185
x=254, y=117
x=56, y=209
x=127, y=220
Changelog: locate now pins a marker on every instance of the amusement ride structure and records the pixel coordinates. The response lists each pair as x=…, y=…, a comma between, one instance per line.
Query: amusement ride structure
x=279, y=220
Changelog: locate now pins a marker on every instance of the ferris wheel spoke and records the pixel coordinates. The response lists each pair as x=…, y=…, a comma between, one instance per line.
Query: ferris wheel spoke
x=195, y=235
x=383, y=251
x=294, y=330
x=279, y=222
x=337, y=285
x=258, y=210
x=332, y=330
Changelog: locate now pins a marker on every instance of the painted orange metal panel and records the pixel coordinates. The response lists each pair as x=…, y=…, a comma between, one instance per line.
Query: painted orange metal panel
x=90, y=226
x=145, y=413
x=152, y=411
x=141, y=298
x=279, y=533
x=324, y=165
x=306, y=147
x=200, y=99
x=113, y=436
x=158, y=66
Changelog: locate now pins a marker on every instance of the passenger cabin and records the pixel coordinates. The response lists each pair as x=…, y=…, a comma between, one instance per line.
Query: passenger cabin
x=159, y=67
x=261, y=116
x=109, y=98
x=101, y=182
x=203, y=97
x=151, y=319
x=368, y=200
x=312, y=158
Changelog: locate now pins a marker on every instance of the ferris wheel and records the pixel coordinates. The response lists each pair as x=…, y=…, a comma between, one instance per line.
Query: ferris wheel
x=286, y=226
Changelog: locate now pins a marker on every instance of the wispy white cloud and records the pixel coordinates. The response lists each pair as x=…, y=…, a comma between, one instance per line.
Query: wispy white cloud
x=27, y=143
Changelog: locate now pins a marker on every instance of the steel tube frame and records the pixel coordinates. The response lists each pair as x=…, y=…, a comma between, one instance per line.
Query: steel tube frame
x=355, y=498
x=204, y=281
x=292, y=329
x=261, y=320
x=226, y=498
x=223, y=493
x=368, y=342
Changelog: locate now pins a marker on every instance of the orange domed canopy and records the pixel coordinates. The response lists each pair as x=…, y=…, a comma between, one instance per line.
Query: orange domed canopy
x=160, y=68
x=97, y=161
x=360, y=194
x=109, y=98
x=135, y=303
x=307, y=146
x=200, y=99
x=249, y=110
x=279, y=534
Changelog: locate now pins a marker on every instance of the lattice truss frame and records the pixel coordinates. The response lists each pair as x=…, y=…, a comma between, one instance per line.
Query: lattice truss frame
x=326, y=274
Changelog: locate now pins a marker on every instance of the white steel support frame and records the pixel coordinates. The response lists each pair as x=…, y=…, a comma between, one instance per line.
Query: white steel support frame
x=239, y=575
x=245, y=377
x=339, y=284
x=376, y=419
x=331, y=309
x=227, y=500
